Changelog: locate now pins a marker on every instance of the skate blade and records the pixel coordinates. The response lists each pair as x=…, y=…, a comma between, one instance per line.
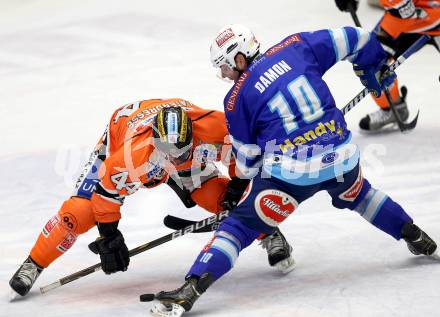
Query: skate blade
x=286, y=266
x=160, y=310
x=13, y=295
x=391, y=127
x=435, y=255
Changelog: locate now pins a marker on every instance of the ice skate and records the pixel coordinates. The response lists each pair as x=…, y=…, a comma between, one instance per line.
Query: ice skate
x=175, y=303
x=382, y=119
x=25, y=277
x=418, y=241
x=279, y=252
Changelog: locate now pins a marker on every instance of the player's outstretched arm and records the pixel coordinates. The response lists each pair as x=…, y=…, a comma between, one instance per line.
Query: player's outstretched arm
x=355, y=45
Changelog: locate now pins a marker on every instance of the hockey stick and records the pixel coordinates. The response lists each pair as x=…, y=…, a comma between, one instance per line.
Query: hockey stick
x=353, y=13
x=177, y=223
x=400, y=60
x=402, y=125
x=144, y=247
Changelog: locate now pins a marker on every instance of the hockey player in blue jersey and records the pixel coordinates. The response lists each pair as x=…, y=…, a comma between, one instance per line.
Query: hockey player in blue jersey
x=289, y=137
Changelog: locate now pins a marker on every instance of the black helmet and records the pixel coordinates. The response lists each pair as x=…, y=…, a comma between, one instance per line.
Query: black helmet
x=172, y=131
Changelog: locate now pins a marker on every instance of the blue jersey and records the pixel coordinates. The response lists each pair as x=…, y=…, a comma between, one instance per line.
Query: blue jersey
x=281, y=104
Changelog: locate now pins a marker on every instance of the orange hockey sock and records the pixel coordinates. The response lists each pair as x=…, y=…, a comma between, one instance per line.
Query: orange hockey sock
x=394, y=92
x=60, y=232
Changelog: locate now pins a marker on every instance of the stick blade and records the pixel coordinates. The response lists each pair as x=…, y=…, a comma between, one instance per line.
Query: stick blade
x=411, y=125
x=147, y=297
x=177, y=223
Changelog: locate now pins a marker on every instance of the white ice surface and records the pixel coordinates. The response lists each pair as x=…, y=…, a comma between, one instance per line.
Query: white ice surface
x=66, y=65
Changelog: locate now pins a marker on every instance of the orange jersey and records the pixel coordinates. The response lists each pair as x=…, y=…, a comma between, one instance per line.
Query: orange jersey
x=423, y=17
x=133, y=162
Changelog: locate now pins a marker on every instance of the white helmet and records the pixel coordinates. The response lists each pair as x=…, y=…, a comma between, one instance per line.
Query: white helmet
x=231, y=40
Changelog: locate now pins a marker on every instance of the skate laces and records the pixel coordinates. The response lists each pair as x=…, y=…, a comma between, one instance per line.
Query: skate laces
x=28, y=273
x=272, y=243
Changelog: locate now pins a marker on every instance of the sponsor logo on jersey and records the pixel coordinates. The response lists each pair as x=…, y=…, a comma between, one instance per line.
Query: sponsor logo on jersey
x=274, y=206
x=290, y=40
x=87, y=188
x=320, y=129
x=69, y=221
x=224, y=37
x=143, y=124
x=154, y=171
x=50, y=225
x=230, y=105
x=272, y=74
x=172, y=127
x=206, y=222
x=352, y=193
x=186, y=105
x=67, y=243
x=329, y=158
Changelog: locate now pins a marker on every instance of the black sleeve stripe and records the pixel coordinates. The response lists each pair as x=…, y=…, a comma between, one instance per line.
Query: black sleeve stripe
x=101, y=191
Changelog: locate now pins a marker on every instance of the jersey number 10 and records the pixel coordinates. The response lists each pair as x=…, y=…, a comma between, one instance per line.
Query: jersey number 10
x=306, y=99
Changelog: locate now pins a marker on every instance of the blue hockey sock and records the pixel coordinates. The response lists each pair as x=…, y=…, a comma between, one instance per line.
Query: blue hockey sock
x=385, y=214
x=220, y=254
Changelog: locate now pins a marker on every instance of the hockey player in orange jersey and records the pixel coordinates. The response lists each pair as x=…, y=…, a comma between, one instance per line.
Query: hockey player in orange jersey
x=402, y=24
x=125, y=159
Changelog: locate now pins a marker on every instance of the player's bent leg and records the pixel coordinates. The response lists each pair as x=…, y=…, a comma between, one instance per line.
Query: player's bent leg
x=58, y=235
x=215, y=260
x=220, y=254
x=389, y=216
x=279, y=251
x=266, y=204
x=381, y=211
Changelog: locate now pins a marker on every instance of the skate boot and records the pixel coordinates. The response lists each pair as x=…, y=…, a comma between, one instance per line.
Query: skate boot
x=418, y=241
x=279, y=251
x=381, y=118
x=175, y=303
x=25, y=277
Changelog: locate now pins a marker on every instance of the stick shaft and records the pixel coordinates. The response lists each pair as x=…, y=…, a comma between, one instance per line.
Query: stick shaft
x=142, y=248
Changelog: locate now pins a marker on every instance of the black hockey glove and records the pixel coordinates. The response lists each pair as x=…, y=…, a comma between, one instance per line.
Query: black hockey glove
x=345, y=5
x=234, y=191
x=111, y=248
